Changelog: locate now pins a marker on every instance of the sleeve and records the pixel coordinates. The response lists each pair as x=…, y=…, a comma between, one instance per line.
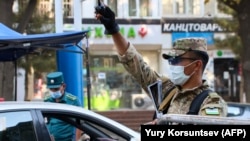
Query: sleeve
x=74, y=100
x=77, y=102
x=133, y=62
x=214, y=105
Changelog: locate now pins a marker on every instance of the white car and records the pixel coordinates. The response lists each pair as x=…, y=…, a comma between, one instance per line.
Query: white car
x=238, y=110
x=26, y=121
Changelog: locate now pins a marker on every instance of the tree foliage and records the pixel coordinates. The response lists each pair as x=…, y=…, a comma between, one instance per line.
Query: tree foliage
x=232, y=40
x=6, y=68
x=239, y=42
x=37, y=24
x=29, y=21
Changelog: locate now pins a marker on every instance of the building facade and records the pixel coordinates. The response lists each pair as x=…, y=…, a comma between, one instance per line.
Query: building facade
x=152, y=26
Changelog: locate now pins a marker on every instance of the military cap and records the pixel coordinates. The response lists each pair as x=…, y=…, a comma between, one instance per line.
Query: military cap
x=181, y=46
x=55, y=80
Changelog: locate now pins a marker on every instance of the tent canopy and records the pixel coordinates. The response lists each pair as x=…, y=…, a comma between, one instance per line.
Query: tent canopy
x=14, y=45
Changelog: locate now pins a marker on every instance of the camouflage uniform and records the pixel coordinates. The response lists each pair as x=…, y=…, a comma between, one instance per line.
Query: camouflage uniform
x=177, y=99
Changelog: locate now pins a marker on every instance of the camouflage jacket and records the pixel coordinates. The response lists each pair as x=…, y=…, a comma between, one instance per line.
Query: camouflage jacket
x=178, y=100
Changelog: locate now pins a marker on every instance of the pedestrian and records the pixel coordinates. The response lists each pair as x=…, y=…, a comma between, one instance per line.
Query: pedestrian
x=60, y=130
x=187, y=61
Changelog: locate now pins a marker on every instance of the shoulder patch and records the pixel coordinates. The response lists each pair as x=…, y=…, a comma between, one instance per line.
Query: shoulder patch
x=212, y=111
x=71, y=97
x=47, y=97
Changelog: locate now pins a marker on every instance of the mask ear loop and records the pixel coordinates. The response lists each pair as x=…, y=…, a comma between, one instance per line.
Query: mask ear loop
x=62, y=90
x=191, y=64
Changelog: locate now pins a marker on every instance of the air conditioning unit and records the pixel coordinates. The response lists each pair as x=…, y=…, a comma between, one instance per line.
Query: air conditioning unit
x=141, y=101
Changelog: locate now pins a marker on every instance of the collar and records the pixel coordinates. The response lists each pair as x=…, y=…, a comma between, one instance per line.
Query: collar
x=201, y=87
x=61, y=99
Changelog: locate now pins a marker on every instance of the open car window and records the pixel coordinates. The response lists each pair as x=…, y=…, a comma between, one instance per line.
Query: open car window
x=96, y=130
x=17, y=129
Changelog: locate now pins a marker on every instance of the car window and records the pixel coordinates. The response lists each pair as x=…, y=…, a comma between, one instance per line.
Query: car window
x=16, y=126
x=111, y=134
x=234, y=110
x=95, y=130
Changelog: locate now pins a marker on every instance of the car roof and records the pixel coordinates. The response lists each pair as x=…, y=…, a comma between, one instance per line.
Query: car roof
x=20, y=105
x=238, y=103
x=11, y=105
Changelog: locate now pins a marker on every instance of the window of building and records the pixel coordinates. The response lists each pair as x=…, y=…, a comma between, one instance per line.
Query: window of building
x=132, y=8
x=113, y=5
x=144, y=6
x=67, y=8
x=112, y=87
x=219, y=13
x=182, y=7
x=44, y=6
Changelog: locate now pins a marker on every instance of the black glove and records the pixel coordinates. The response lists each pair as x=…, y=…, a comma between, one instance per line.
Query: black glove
x=107, y=19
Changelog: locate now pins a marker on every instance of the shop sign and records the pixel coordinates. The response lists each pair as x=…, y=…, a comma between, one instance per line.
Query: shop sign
x=224, y=54
x=98, y=32
x=190, y=26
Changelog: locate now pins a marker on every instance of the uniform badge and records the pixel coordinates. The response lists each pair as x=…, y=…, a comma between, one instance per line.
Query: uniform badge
x=52, y=81
x=212, y=111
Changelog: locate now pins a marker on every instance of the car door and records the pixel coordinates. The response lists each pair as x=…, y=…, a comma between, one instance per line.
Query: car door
x=94, y=127
x=21, y=125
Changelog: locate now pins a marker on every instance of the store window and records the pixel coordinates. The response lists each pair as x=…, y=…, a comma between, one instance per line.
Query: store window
x=227, y=82
x=111, y=85
x=182, y=7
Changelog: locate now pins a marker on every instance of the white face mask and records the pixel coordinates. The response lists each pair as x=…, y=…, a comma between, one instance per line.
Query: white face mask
x=177, y=76
x=56, y=94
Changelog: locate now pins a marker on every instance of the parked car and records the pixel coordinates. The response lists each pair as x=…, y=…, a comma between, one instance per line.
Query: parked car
x=239, y=110
x=26, y=121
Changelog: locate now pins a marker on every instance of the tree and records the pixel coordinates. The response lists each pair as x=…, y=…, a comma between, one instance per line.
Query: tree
x=240, y=42
x=6, y=68
x=39, y=62
x=26, y=20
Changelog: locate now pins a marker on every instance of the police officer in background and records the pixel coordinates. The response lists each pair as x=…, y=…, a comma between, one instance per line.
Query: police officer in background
x=187, y=60
x=59, y=130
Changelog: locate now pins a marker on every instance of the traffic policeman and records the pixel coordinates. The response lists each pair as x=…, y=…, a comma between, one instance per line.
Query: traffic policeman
x=60, y=130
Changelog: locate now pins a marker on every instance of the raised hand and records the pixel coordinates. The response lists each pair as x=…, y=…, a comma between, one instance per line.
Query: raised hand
x=107, y=18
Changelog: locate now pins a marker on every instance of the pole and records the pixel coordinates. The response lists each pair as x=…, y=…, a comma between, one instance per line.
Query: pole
x=15, y=63
x=88, y=73
x=58, y=16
